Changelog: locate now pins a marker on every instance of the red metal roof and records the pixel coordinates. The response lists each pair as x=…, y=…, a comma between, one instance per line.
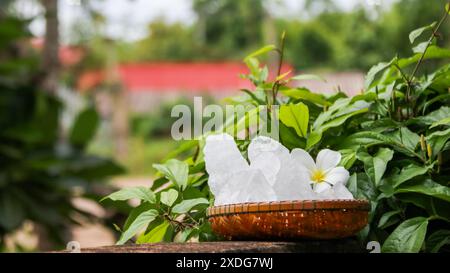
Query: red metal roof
x=179, y=77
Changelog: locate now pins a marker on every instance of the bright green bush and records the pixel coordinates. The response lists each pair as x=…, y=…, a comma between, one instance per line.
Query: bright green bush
x=393, y=138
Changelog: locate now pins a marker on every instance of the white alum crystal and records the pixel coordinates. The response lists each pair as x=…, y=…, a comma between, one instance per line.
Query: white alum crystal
x=222, y=159
x=245, y=186
x=288, y=181
x=273, y=174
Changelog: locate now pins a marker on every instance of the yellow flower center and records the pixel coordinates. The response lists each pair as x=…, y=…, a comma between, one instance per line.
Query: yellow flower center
x=318, y=176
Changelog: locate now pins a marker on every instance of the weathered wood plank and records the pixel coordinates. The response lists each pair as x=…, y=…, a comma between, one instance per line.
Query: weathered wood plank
x=325, y=246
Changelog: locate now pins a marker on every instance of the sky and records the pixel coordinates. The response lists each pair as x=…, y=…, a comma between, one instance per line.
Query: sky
x=128, y=19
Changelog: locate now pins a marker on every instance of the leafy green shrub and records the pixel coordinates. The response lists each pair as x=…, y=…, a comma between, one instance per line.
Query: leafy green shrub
x=176, y=213
x=393, y=138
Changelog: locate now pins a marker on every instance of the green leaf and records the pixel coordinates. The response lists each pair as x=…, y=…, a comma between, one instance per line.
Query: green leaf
x=198, y=180
x=185, y=146
x=435, y=116
x=401, y=140
x=420, y=48
x=405, y=139
x=437, y=141
x=176, y=171
x=433, y=52
x=197, y=168
x=250, y=118
x=437, y=240
x=367, y=96
x=433, y=206
x=135, y=212
x=295, y=116
x=159, y=182
x=189, y=204
x=253, y=65
x=141, y=193
x=333, y=111
x=253, y=96
x=388, y=219
x=84, y=128
x=282, y=76
x=304, y=77
x=406, y=174
x=260, y=51
x=352, y=184
x=305, y=94
x=143, y=220
x=289, y=138
x=440, y=98
x=427, y=187
x=375, y=166
x=155, y=235
x=361, y=187
x=413, y=35
x=374, y=70
x=193, y=193
x=407, y=237
x=338, y=121
x=444, y=121
x=313, y=138
x=169, y=197
x=348, y=158
x=364, y=138
x=184, y=235
x=206, y=234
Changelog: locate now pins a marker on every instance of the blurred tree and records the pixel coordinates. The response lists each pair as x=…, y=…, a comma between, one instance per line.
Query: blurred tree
x=354, y=38
x=327, y=38
x=307, y=44
x=228, y=26
x=167, y=42
x=224, y=30
x=50, y=57
x=316, y=7
x=359, y=38
x=40, y=174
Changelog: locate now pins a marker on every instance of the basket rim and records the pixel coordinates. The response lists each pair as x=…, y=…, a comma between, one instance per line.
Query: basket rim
x=290, y=205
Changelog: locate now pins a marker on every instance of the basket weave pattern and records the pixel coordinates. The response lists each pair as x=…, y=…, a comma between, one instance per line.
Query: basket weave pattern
x=318, y=219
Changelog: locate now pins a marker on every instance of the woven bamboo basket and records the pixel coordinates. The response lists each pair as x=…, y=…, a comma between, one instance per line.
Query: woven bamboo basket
x=289, y=220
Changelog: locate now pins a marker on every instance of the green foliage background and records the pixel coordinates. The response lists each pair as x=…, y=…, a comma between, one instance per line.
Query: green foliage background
x=42, y=170
x=394, y=139
x=329, y=38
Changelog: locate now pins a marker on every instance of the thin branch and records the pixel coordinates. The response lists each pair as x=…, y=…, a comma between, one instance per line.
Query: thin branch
x=403, y=75
x=430, y=40
x=276, y=84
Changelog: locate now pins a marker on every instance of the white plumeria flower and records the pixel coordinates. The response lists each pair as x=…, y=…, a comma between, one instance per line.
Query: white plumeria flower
x=323, y=173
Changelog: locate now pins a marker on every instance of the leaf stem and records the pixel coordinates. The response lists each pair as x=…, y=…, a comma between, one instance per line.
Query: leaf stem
x=430, y=40
x=276, y=84
x=437, y=217
x=405, y=78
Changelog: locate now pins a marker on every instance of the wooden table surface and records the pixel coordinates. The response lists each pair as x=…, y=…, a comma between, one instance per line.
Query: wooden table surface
x=316, y=246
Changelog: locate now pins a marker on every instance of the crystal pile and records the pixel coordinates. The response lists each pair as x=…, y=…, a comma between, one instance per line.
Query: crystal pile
x=274, y=173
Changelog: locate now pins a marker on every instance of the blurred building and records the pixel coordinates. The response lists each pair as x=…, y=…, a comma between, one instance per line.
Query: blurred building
x=68, y=55
x=146, y=85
